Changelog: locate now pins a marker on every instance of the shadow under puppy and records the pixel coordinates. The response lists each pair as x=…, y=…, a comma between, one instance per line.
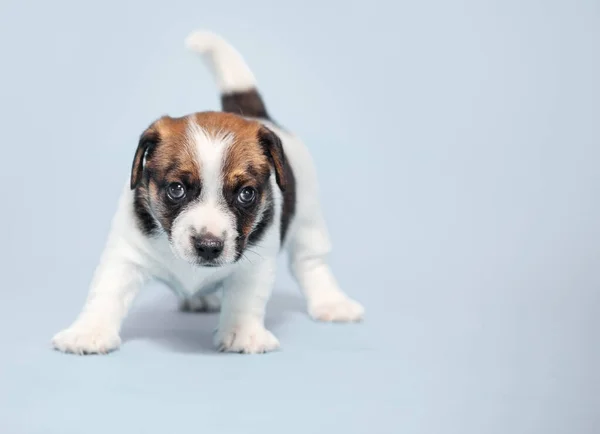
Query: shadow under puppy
x=213, y=197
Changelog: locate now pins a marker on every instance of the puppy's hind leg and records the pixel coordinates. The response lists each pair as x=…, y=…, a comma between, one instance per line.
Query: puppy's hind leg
x=201, y=302
x=308, y=249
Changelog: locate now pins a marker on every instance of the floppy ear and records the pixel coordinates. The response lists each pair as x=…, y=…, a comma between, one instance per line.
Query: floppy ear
x=148, y=140
x=274, y=150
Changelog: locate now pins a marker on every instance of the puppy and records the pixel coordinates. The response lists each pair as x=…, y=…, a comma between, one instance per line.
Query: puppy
x=212, y=198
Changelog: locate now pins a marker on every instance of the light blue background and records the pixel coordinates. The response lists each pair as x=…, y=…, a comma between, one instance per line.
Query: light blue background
x=458, y=150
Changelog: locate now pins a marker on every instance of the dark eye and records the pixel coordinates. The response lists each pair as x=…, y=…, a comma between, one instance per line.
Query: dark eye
x=176, y=191
x=246, y=195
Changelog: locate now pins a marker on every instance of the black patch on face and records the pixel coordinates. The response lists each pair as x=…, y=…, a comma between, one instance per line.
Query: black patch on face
x=169, y=209
x=245, y=216
x=265, y=221
x=247, y=103
x=284, y=175
x=288, y=207
x=141, y=210
x=164, y=208
x=146, y=145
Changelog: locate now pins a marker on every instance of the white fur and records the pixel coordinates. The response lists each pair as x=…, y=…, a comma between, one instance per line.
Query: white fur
x=130, y=258
x=228, y=65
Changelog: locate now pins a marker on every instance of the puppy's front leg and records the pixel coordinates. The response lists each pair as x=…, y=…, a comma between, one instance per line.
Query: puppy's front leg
x=96, y=330
x=242, y=322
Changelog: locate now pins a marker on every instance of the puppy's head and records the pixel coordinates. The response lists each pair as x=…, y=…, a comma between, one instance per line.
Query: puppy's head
x=205, y=179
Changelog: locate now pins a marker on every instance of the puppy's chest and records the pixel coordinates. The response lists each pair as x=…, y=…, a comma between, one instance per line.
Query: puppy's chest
x=185, y=279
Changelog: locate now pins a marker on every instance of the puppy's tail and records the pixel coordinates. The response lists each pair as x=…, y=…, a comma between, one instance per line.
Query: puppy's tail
x=234, y=78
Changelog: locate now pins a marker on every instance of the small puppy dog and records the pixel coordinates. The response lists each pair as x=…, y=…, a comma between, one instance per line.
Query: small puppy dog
x=212, y=198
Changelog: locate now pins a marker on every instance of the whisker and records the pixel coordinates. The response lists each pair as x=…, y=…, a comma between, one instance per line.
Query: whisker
x=247, y=259
x=257, y=254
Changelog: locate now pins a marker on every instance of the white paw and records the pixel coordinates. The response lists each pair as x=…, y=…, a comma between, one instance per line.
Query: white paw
x=206, y=303
x=339, y=310
x=248, y=339
x=81, y=339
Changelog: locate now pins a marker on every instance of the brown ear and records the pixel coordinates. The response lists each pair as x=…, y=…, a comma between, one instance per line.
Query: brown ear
x=274, y=150
x=148, y=140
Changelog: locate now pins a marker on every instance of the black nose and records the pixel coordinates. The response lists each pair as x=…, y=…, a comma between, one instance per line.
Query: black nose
x=208, y=246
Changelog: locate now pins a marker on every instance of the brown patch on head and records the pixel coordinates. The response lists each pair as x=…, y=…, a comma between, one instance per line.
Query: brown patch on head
x=176, y=156
x=174, y=149
x=254, y=148
x=245, y=161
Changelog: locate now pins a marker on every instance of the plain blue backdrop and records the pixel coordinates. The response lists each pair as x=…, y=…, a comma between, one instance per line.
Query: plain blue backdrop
x=457, y=144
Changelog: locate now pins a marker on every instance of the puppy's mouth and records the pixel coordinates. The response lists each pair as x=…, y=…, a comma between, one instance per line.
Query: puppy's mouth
x=208, y=264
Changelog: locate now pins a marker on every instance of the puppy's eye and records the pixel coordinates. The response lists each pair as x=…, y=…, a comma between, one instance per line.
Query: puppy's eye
x=176, y=191
x=246, y=195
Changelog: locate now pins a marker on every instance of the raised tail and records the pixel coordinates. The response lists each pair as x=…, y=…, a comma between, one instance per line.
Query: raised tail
x=234, y=78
